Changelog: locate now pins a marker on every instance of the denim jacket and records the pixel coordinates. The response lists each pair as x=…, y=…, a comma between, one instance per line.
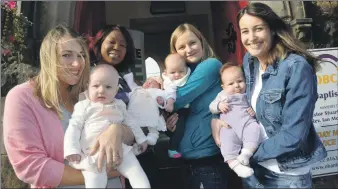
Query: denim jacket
x=285, y=108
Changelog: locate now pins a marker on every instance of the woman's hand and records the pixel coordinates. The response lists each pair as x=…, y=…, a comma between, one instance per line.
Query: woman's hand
x=216, y=125
x=109, y=146
x=128, y=135
x=171, y=122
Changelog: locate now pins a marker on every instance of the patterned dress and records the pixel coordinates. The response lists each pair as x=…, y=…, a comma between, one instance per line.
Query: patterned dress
x=123, y=89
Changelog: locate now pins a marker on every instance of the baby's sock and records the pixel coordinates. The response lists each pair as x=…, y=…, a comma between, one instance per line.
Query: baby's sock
x=152, y=139
x=244, y=157
x=174, y=154
x=241, y=170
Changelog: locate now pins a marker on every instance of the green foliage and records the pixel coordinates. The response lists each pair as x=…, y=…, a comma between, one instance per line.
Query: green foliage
x=14, y=27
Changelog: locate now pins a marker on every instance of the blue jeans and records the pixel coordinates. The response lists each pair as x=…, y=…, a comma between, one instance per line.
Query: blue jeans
x=213, y=176
x=264, y=178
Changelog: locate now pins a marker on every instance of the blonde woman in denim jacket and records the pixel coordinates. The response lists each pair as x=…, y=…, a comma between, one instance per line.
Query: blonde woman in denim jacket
x=281, y=86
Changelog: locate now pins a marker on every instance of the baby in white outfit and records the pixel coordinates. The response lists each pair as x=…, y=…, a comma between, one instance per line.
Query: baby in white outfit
x=89, y=119
x=143, y=111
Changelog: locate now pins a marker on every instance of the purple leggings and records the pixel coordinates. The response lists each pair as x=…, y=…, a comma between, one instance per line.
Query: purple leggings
x=244, y=131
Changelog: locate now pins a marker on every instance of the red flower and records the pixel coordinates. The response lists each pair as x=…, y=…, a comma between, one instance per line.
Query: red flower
x=6, y=52
x=11, y=38
x=243, y=4
x=12, y=4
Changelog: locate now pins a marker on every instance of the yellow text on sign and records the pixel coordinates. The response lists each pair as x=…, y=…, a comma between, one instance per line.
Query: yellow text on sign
x=326, y=134
x=326, y=79
x=330, y=142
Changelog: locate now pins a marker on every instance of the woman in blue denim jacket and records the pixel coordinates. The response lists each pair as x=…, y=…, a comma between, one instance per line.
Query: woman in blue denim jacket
x=282, y=89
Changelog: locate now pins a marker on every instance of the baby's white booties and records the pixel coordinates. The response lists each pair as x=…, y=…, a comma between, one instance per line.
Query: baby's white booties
x=241, y=170
x=152, y=139
x=244, y=157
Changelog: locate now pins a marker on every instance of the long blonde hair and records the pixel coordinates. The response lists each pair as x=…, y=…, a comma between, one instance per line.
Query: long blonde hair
x=47, y=83
x=181, y=29
x=284, y=41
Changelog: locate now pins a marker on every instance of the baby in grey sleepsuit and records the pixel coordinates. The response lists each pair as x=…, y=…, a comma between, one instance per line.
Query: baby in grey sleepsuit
x=232, y=103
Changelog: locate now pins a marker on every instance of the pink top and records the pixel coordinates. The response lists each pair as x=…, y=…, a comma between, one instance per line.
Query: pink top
x=33, y=138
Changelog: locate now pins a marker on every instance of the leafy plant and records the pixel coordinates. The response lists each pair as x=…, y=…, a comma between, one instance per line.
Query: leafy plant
x=14, y=27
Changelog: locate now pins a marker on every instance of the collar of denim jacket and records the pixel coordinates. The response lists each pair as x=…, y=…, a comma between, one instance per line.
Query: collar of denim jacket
x=270, y=69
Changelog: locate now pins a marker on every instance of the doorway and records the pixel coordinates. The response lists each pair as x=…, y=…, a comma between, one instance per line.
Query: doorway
x=157, y=32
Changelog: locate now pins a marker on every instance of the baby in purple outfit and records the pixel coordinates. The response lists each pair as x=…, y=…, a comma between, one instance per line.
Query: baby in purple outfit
x=232, y=103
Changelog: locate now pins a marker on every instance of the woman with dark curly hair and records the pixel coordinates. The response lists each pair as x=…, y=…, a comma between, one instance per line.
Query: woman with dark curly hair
x=114, y=45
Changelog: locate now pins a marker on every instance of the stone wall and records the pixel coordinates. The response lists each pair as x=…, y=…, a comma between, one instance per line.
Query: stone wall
x=325, y=23
x=314, y=22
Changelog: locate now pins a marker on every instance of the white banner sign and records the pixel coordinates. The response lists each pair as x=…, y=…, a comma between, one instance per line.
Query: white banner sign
x=138, y=39
x=325, y=117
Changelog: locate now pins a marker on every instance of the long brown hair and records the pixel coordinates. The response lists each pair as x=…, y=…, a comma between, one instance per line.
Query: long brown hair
x=284, y=40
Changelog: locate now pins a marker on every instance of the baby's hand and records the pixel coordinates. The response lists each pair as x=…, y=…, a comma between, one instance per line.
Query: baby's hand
x=223, y=107
x=74, y=158
x=143, y=147
x=169, y=107
x=251, y=112
x=160, y=100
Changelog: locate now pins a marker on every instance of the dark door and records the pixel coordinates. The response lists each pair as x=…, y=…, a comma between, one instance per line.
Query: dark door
x=157, y=32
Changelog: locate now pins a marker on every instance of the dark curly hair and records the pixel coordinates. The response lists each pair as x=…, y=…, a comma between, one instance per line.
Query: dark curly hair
x=95, y=44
